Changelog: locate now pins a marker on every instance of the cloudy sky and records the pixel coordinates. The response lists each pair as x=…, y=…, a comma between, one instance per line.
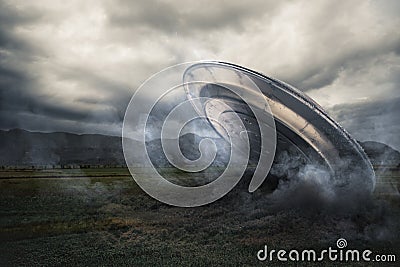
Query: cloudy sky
x=73, y=65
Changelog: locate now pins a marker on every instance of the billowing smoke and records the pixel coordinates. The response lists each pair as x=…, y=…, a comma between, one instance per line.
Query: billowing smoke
x=310, y=191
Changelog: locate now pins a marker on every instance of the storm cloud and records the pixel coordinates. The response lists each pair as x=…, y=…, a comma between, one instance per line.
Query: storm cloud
x=72, y=66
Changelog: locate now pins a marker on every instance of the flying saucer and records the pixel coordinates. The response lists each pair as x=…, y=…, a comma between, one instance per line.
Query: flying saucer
x=304, y=130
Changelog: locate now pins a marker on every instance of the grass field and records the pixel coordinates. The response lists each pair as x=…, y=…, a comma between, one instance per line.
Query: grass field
x=101, y=217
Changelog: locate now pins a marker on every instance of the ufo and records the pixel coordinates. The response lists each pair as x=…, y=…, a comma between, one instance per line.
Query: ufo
x=305, y=133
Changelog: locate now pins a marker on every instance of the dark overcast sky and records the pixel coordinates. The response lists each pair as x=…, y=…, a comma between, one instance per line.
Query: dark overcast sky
x=73, y=65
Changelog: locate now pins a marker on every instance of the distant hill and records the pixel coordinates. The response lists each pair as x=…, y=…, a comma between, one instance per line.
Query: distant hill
x=24, y=148
x=381, y=154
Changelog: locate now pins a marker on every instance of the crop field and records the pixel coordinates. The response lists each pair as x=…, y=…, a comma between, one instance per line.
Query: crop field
x=101, y=217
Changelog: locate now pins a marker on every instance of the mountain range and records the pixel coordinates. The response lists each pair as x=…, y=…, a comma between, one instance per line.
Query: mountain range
x=23, y=148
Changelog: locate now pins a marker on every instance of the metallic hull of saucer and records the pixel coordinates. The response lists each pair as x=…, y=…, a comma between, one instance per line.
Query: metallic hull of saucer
x=305, y=132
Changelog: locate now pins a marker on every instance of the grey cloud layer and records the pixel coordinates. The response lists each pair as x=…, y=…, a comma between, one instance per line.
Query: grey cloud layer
x=73, y=66
x=178, y=16
x=378, y=120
